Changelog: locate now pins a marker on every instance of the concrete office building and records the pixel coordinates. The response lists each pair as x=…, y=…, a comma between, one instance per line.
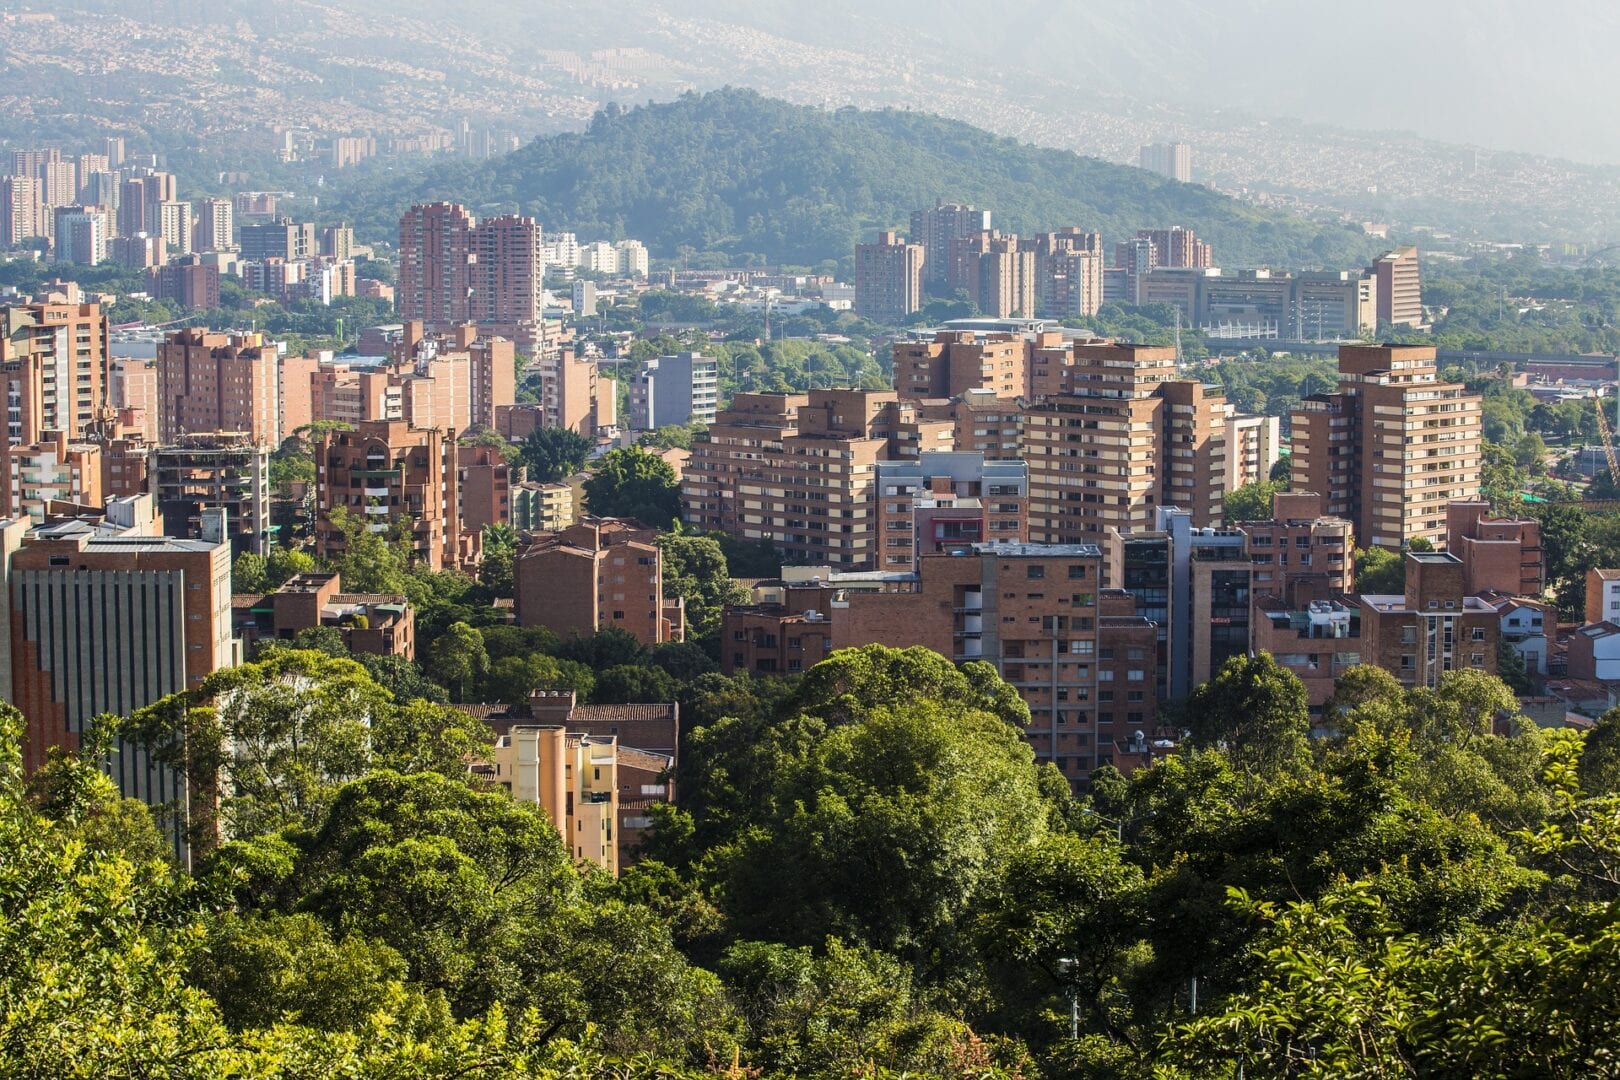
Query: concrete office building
x=202, y=472
x=596, y=574
x=679, y=389
x=1264, y=303
x=282, y=239
x=99, y=619
x=53, y=369
x=1194, y=585
x=1115, y=434
x=1391, y=447
x=888, y=278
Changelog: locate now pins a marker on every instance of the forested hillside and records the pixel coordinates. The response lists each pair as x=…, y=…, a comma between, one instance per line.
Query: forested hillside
x=737, y=172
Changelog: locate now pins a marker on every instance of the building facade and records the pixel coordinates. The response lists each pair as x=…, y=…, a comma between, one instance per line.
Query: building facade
x=679, y=389
x=888, y=278
x=387, y=476
x=596, y=574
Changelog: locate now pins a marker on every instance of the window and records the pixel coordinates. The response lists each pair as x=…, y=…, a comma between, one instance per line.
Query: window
x=1034, y=571
x=618, y=614
x=1477, y=659
x=1077, y=571
x=1478, y=634
x=1407, y=662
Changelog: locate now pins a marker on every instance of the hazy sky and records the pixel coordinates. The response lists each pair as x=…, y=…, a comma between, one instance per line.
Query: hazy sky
x=1536, y=76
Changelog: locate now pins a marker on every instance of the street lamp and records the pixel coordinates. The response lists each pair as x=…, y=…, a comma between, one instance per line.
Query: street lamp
x=1117, y=823
x=1066, y=966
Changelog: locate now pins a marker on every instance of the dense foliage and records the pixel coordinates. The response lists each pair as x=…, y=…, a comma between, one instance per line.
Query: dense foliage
x=867, y=874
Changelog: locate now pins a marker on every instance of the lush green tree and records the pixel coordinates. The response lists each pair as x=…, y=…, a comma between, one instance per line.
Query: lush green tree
x=1600, y=758
x=631, y=483
x=851, y=683
x=695, y=570
x=1252, y=502
x=1254, y=707
x=495, y=569
x=949, y=794
x=401, y=678
x=371, y=562
x=1510, y=668
x=554, y=454
x=608, y=648
x=634, y=683
x=250, y=574
x=1380, y=571
x=511, y=678
x=683, y=660
x=286, y=563
x=457, y=658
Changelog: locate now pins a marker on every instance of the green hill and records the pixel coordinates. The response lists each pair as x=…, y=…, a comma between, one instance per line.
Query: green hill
x=737, y=172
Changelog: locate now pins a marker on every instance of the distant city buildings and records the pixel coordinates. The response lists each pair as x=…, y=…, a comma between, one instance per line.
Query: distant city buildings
x=1172, y=160
x=1398, y=286
x=455, y=270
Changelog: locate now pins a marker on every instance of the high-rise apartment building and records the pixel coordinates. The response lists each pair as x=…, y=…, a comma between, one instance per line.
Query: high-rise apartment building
x=81, y=235
x=1253, y=446
x=53, y=470
x=957, y=362
x=282, y=239
x=542, y=507
x=1172, y=160
x=1300, y=554
x=679, y=389
x=998, y=273
x=384, y=472
x=21, y=210
x=936, y=229
x=1392, y=447
x=946, y=498
x=208, y=472
x=1114, y=435
x=1176, y=246
x=1068, y=273
x=572, y=395
x=209, y=382
x=599, y=573
x=484, y=478
x=337, y=242
x=795, y=469
x=132, y=391
x=1398, y=288
x=53, y=369
x=59, y=183
x=1082, y=659
x=216, y=226
x=174, y=222
x=888, y=278
x=454, y=269
x=189, y=282
x=632, y=258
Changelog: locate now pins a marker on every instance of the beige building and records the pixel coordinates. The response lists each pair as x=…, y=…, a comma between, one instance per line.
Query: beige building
x=1392, y=447
x=797, y=470
x=53, y=369
x=958, y=362
x=573, y=778
x=1398, y=288
x=1120, y=435
x=1253, y=446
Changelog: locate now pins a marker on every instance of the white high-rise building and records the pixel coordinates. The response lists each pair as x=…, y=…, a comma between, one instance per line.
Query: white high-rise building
x=632, y=257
